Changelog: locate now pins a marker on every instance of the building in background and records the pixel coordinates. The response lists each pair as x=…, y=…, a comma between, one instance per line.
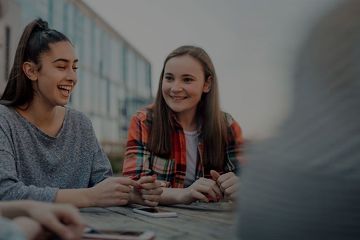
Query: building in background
x=114, y=78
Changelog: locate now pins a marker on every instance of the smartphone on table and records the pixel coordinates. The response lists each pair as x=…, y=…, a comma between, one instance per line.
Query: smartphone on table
x=155, y=212
x=94, y=234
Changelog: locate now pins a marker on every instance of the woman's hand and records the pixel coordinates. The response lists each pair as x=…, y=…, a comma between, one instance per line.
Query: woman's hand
x=228, y=183
x=62, y=219
x=149, y=191
x=30, y=228
x=112, y=191
x=202, y=189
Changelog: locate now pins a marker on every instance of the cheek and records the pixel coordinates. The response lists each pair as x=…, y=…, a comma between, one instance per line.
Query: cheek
x=196, y=92
x=164, y=89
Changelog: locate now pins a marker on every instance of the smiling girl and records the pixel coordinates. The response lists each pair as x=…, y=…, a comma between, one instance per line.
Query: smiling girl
x=49, y=152
x=184, y=138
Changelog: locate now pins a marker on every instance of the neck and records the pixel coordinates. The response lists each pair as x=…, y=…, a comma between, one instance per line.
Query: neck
x=40, y=114
x=187, y=121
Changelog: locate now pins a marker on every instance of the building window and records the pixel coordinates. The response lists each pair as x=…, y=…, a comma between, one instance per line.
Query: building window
x=50, y=12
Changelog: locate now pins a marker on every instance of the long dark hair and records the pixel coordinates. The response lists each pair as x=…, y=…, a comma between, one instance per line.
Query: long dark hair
x=214, y=133
x=34, y=41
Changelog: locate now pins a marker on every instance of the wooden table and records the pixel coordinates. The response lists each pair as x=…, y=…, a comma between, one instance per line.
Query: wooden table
x=194, y=221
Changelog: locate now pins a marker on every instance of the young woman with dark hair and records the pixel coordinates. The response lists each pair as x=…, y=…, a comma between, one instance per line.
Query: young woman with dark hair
x=184, y=137
x=49, y=152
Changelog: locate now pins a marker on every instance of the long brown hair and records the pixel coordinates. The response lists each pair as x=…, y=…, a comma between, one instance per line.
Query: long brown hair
x=34, y=41
x=213, y=121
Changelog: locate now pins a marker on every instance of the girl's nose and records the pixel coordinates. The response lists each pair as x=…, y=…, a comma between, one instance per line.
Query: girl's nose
x=177, y=88
x=71, y=76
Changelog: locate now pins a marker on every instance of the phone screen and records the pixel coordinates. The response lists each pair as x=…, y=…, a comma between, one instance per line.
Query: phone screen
x=150, y=210
x=153, y=210
x=92, y=234
x=126, y=233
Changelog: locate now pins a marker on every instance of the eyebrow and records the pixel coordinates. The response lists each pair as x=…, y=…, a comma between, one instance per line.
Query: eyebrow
x=188, y=75
x=64, y=60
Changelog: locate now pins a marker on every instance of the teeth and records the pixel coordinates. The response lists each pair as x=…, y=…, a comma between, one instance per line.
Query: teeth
x=65, y=87
x=178, y=98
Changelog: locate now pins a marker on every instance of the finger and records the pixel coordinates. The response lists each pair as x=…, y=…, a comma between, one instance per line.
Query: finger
x=217, y=190
x=207, y=190
x=214, y=174
x=127, y=181
x=146, y=179
x=225, y=177
x=123, y=188
x=30, y=227
x=198, y=195
x=153, y=198
x=233, y=196
x=214, y=186
x=229, y=182
x=163, y=183
x=69, y=215
x=230, y=190
x=149, y=186
x=151, y=203
x=54, y=225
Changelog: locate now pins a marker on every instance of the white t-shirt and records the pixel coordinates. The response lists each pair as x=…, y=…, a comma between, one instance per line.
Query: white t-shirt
x=191, y=156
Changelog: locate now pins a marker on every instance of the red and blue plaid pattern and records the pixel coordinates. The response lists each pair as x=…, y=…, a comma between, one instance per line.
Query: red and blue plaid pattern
x=139, y=161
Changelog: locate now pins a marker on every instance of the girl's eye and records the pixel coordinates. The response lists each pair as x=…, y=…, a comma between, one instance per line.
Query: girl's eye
x=61, y=67
x=187, y=80
x=75, y=68
x=168, y=78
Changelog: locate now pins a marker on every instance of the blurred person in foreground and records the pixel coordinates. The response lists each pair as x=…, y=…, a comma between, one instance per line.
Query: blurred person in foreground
x=305, y=182
x=21, y=220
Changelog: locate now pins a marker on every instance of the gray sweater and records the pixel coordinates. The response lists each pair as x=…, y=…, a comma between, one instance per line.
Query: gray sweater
x=35, y=166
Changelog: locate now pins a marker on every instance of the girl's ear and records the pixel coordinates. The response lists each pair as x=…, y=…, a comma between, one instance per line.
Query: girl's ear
x=30, y=70
x=207, y=84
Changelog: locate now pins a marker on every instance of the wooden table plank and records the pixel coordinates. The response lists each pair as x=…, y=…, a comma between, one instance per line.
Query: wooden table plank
x=190, y=223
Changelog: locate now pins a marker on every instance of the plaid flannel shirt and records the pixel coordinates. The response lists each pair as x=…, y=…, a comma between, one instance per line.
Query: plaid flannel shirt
x=139, y=161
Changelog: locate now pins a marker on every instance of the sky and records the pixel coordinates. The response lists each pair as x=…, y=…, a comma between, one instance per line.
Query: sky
x=253, y=44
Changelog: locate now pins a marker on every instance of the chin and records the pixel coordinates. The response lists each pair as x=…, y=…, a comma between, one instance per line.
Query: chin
x=62, y=103
x=175, y=109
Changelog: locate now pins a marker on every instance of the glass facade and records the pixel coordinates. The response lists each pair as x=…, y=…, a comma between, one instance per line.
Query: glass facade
x=114, y=79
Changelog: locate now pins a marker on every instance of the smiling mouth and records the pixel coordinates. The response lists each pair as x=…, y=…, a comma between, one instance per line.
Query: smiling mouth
x=65, y=89
x=177, y=98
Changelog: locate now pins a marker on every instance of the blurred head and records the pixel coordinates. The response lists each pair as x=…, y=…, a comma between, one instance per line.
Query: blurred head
x=303, y=182
x=44, y=66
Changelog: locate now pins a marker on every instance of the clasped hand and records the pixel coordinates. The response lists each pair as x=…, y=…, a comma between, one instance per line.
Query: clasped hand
x=215, y=189
x=123, y=190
